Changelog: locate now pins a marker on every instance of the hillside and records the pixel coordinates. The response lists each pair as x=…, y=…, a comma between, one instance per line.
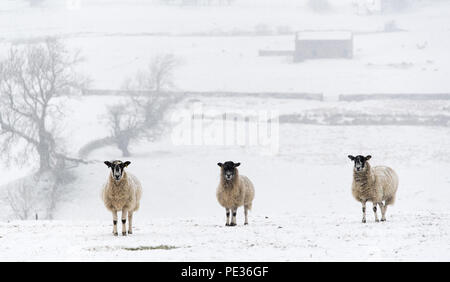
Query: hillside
x=303, y=209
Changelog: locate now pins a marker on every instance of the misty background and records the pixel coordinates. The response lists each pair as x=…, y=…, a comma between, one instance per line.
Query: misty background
x=82, y=82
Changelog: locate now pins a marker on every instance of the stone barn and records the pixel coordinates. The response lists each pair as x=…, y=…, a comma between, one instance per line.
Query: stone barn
x=322, y=45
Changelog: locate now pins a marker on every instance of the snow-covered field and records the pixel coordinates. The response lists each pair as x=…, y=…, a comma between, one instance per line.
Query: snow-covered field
x=303, y=211
x=130, y=33
x=407, y=236
x=303, y=208
x=383, y=63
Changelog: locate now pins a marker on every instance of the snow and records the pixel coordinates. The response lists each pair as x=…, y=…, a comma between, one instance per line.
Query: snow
x=214, y=52
x=301, y=212
x=303, y=208
x=383, y=63
x=408, y=237
x=304, y=189
x=324, y=35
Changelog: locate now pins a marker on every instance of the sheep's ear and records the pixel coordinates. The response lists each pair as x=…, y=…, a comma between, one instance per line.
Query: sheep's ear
x=237, y=164
x=108, y=164
x=368, y=157
x=127, y=163
x=220, y=164
x=351, y=157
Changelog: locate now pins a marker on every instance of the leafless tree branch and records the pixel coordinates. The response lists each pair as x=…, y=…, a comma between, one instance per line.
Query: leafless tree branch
x=31, y=77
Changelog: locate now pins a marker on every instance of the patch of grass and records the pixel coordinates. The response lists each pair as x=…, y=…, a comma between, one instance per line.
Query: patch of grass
x=147, y=248
x=139, y=248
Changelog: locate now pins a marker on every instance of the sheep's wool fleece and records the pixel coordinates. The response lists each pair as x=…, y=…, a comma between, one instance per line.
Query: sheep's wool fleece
x=123, y=194
x=237, y=193
x=375, y=184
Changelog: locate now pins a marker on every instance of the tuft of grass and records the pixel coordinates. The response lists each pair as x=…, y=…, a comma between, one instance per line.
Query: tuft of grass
x=147, y=248
x=139, y=248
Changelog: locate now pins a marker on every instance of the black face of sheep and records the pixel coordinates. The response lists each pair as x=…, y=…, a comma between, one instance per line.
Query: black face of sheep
x=229, y=169
x=360, y=161
x=117, y=168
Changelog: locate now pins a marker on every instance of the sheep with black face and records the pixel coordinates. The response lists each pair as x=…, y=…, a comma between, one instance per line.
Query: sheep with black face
x=122, y=192
x=375, y=184
x=234, y=190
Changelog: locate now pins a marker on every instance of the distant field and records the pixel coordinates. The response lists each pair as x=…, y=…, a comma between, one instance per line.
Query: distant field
x=306, y=125
x=383, y=63
x=413, y=61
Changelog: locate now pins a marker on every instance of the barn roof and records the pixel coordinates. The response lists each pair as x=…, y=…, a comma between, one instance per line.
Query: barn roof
x=324, y=35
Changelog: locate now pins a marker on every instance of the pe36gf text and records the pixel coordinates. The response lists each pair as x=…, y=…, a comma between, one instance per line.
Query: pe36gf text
x=228, y=271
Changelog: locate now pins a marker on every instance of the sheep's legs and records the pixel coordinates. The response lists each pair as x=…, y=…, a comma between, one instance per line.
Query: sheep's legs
x=233, y=218
x=227, y=212
x=375, y=212
x=246, y=215
x=364, y=212
x=124, y=221
x=114, y=214
x=383, y=211
x=130, y=222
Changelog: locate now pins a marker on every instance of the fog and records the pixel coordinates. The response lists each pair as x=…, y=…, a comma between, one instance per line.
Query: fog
x=288, y=88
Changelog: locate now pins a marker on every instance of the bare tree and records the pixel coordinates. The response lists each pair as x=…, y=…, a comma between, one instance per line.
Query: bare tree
x=137, y=118
x=55, y=187
x=31, y=78
x=38, y=193
x=162, y=68
x=125, y=124
x=158, y=77
x=143, y=114
x=22, y=198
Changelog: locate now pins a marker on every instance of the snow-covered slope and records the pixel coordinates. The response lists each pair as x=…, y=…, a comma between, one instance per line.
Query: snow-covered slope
x=129, y=34
x=303, y=208
x=382, y=63
x=406, y=237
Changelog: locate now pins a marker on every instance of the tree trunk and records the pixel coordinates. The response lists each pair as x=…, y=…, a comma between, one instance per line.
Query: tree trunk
x=122, y=144
x=44, y=157
x=125, y=152
x=43, y=149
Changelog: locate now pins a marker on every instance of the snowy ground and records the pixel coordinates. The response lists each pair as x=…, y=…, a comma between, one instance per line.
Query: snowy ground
x=303, y=208
x=418, y=236
x=304, y=189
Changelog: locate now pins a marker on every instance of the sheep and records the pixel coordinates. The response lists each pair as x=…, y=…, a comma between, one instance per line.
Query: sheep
x=375, y=184
x=234, y=190
x=121, y=192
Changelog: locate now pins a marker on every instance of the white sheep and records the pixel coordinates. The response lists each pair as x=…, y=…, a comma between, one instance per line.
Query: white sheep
x=375, y=184
x=234, y=190
x=122, y=192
